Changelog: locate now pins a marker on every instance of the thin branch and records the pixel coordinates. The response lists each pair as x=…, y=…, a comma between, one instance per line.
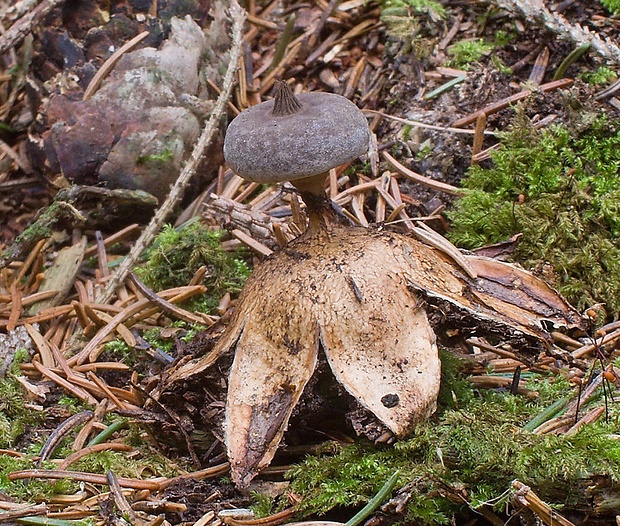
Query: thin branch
x=539, y=14
x=18, y=31
x=238, y=17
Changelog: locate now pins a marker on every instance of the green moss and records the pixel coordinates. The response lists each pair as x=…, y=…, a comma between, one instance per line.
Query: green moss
x=561, y=190
x=430, y=8
x=601, y=75
x=466, y=52
x=15, y=417
x=163, y=157
x=34, y=489
x=178, y=253
x=413, y=21
x=613, y=6
x=474, y=446
x=122, y=465
x=263, y=505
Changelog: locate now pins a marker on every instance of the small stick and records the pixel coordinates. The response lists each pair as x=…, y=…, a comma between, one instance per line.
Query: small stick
x=504, y=103
x=92, y=478
x=426, y=181
x=119, y=499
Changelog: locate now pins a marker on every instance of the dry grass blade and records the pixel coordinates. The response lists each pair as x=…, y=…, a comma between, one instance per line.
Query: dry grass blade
x=504, y=103
x=109, y=64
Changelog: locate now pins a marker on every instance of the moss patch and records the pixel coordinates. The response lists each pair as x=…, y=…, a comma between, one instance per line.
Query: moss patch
x=474, y=447
x=467, y=52
x=560, y=188
x=613, y=6
x=15, y=417
x=176, y=255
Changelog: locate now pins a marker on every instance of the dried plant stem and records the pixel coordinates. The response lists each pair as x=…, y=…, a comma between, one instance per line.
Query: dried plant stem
x=539, y=14
x=238, y=16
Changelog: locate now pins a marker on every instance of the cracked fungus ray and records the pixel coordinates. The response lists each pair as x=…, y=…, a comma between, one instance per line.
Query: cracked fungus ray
x=346, y=289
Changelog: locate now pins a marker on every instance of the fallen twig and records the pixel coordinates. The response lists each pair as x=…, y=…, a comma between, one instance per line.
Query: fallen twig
x=18, y=31
x=504, y=103
x=525, y=497
x=538, y=13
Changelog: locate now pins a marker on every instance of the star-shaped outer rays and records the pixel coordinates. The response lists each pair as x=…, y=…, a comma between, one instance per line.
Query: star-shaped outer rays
x=344, y=292
x=360, y=296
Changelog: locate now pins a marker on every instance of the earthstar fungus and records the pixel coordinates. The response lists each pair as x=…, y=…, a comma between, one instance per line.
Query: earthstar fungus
x=335, y=288
x=361, y=295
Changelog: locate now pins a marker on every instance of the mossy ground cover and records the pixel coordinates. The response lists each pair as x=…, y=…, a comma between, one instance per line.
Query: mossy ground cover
x=176, y=255
x=474, y=447
x=560, y=188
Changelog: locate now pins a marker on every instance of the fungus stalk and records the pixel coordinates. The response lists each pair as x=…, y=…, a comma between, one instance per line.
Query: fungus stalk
x=311, y=189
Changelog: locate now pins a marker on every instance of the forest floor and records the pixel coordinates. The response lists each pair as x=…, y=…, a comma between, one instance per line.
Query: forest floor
x=89, y=429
